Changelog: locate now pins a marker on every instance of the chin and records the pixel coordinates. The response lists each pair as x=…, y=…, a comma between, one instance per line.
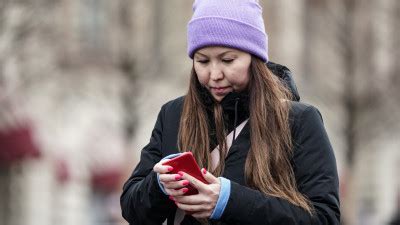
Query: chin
x=218, y=98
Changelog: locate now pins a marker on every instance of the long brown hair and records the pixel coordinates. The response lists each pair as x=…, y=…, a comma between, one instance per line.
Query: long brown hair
x=268, y=168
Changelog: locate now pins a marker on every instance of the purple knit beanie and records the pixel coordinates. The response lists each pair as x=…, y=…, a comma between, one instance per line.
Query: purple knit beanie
x=230, y=23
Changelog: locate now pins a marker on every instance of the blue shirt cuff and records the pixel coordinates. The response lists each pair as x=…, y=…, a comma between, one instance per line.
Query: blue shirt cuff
x=223, y=198
x=158, y=175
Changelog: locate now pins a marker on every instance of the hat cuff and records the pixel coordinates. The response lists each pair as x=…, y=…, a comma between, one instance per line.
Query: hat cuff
x=226, y=32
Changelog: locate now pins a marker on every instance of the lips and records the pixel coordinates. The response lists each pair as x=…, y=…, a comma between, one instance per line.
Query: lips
x=220, y=90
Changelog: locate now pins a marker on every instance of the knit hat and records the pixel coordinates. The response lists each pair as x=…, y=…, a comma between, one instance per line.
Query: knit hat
x=229, y=23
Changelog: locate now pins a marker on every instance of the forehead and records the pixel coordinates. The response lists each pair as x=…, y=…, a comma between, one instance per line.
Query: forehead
x=217, y=50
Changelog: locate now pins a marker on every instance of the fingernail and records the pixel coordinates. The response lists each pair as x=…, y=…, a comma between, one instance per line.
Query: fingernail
x=180, y=173
x=171, y=198
x=185, y=182
x=178, y=177
x=204, y=171
x=184, y=190
x=170, y=169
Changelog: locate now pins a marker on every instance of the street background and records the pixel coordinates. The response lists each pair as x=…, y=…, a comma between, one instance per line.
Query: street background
x=82, y=81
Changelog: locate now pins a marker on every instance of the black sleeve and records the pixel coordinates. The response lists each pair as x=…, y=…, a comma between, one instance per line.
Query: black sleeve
x=316, y=176
x=142, y=201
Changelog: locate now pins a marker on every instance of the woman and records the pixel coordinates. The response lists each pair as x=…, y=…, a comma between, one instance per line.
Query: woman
x=267, y=159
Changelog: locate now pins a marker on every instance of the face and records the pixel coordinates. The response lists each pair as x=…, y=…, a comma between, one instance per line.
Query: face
x=222, y=70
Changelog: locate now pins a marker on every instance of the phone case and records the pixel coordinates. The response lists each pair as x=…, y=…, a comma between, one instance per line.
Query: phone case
x=186, y=163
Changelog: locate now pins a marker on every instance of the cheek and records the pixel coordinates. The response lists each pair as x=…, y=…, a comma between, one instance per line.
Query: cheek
x=202, y=76
x=241, y=80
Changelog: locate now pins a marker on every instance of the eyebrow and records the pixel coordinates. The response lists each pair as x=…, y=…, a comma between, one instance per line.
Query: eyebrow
x=221, y=54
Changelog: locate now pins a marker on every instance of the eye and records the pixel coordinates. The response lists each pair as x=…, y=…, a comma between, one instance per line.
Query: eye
x=203, y=61
x=227, y=60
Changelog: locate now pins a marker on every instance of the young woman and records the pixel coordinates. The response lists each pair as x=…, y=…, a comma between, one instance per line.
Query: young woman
x=267, y=159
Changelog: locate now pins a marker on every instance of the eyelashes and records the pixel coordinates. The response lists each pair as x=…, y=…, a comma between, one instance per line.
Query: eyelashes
x=227, y=61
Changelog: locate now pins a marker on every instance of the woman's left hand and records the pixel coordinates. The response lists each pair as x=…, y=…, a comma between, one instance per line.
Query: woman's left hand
x=202, y=204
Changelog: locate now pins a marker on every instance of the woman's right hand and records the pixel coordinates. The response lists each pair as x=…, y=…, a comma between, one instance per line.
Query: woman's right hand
x=173, y=183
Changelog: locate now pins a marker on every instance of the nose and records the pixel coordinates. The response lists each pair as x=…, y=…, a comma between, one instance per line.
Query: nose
x=216, y=73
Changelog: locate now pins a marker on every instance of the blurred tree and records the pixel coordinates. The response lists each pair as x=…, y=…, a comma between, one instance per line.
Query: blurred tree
x=64, y=58
x=350, y=71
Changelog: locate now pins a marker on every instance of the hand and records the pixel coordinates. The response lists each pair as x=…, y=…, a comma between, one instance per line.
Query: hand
x=202, y=204
x=173, y=183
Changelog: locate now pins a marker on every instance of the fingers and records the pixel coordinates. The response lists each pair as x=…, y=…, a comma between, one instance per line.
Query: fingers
x=193, y=181
x=209, y=177
x=161, y=169
x=198, y=199
x=197, y=205
x=169, y=177
x=173, y=181
x=174, y=193
x=203, y=203
x=201, y=208
x=191, y=200
x=176, y=184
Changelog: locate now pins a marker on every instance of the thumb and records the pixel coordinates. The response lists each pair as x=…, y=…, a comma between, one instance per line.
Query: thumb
x=209, y=177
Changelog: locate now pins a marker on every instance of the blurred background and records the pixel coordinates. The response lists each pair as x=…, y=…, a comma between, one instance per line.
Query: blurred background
x=82, y=81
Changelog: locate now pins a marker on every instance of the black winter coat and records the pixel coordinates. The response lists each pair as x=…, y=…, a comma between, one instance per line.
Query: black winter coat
x=314, y=165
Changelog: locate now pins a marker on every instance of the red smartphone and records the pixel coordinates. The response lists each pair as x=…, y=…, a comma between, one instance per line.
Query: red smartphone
x=186, y=163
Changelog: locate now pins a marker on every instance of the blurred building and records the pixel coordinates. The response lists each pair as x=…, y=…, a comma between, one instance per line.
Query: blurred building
x=65, y=68
x=91, y=75
x=345, y=57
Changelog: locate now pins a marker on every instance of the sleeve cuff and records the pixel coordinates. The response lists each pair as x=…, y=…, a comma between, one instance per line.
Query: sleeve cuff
x=158, y=175
x=222, y=199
